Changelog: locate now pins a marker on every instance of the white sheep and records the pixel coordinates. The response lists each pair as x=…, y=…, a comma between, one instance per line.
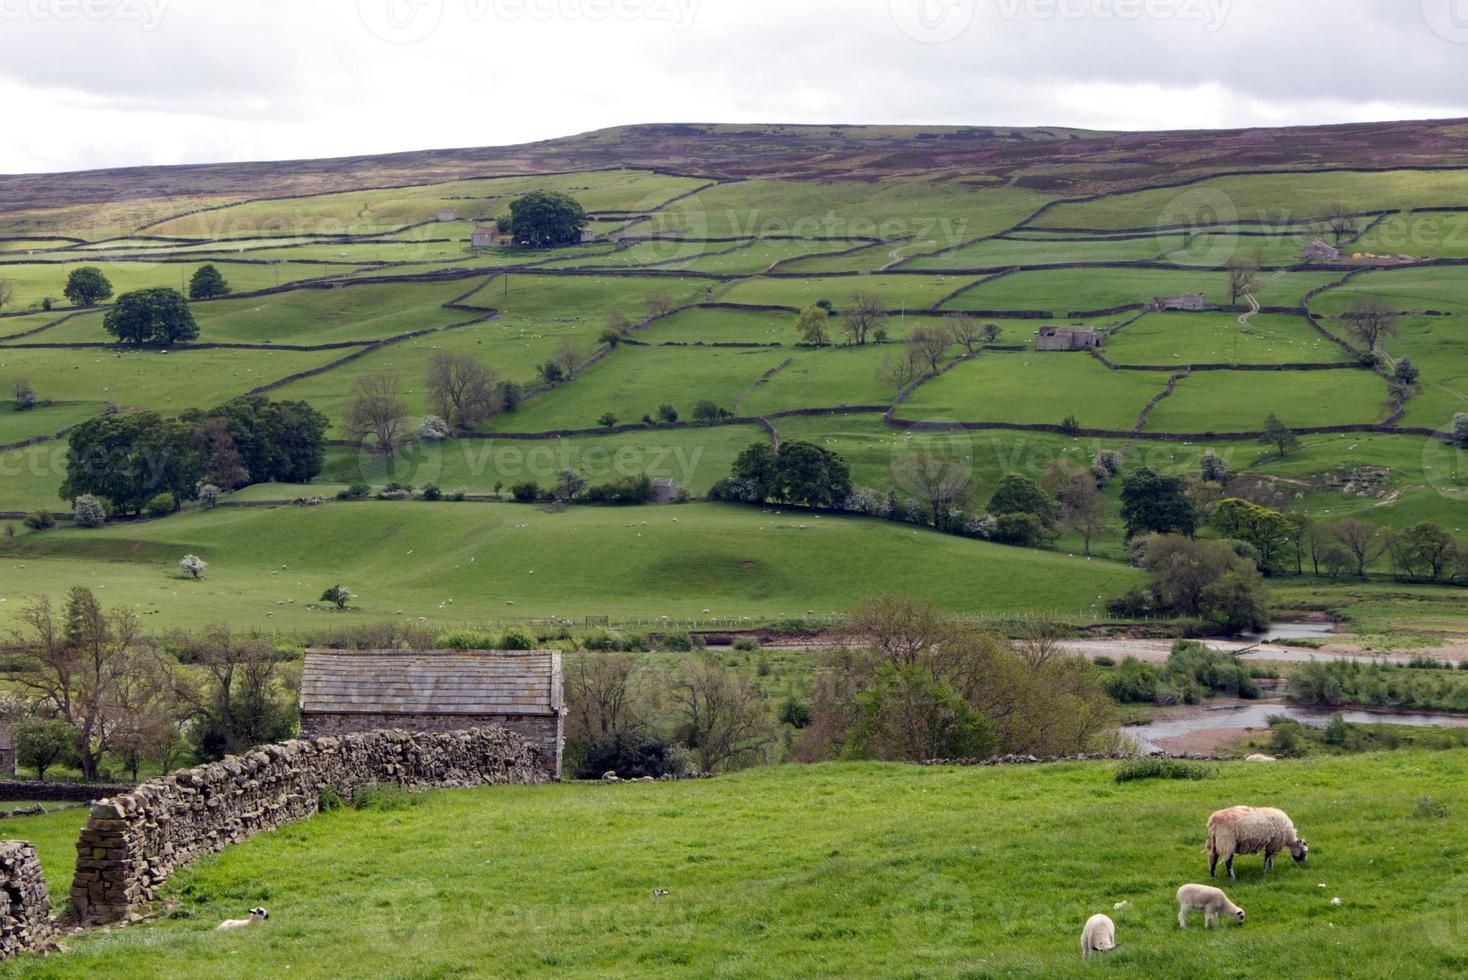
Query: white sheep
x=1250, y=830
x=1099, y=936
x=257, y=915
x=1211, y=900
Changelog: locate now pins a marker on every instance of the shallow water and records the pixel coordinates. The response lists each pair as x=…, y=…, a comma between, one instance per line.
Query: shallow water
x=1291, y=631
x=1256, y=714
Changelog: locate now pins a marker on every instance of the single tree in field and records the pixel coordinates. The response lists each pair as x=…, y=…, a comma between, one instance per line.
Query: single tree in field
x=236, y=696
x=193, y=566
x=990, y=332
x=567, y=356
x=87, y=286
x=44, y=742
x=545, y=218
x=940, y=480
x=25, y=396
x=1339, y=221
x=1082, y=505
x=1243, y=273
x=813, y=326
x=339, y=596
x=862, y=318
x=569, y=485
x=929, y=344
x=619, y=322
x=899, y=370
x=207, y=283
x=967, y=333
x=7, y=293
x=1278, y=435
x=1361, y=540
x=463, y=390
x=659, y=304
x=376, y=410
x=80, y=663
x=159, y=316
x=1371, y=321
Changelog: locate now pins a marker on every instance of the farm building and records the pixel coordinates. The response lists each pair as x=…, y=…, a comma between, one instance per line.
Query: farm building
x=7, y=751
x=1187, y=301
x=1319, y=251
x=587, y=235
x=664, y=490
x=1067, y=338
x=345, y=691
x=484, y=236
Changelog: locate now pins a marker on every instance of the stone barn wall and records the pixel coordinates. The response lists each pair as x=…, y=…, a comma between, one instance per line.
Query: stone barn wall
x=544, y=732
x=25, y=909
x=133, y=842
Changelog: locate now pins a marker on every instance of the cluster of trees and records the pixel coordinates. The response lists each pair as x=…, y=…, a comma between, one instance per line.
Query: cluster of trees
x=128, y=460
x=799, y=473
x=151, y=316
x=927, y=345
x=96, y=689
x=544, y=219
x=572, y=487
x=1192, y=673
x=913, y=684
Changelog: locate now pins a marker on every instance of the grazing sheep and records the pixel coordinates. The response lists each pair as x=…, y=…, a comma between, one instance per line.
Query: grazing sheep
x=1260, y=757
x=1250, y=830
x=257, y=915
x=1211, y=900
x=1099, y=936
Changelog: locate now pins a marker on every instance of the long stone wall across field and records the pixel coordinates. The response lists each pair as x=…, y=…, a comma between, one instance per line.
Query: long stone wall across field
x=135, y=841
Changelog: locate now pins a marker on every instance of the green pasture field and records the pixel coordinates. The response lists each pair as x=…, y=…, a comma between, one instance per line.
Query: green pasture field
x=25, y=245
x=1035, y=387
x=1219, y=338
x=694, y=458
x=366, y=312
x=1430, y=235
x=584, y=297
x=897, y=291
x=11, y=326
x=1264, y=197
x=940, y=214
x=866, y=259
x=1408, y=288
x=43, y=420
x=1099, y=289
x=31, y=475
x=1234, y=401
x=997, y=253
x=360, y=212
x=634, y=381
x=825, y=378
x=494, y=561
x=33, y=283
x=866, y=869
x=712, y=326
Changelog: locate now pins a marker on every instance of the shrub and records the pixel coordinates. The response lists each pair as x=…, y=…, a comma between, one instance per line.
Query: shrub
x=385, y=796
x=1212, y=467
x=517, y=639
x=1132, y=770
x=1460, y=428
x=465, y=640
x=1336, y=730
x=41, y=520
x=708, y=411
x=631, y=755
x=89, y=511
x=161, y=504
x=458, y=493
x=667, y=413
x=1428, y=808
x=209, y=496
x=395, y=491
x=1104, y=661
x=746, y=644
x=795, y=713
x=607, y=420
x=354, y=492
x=526, y=492
x=431, y=491
x=339, y=596
x=328, y=799
x=626, y=490
x=602, y=641
x=431, y=428
x=678, y=640
x=1133, y=682
x=192, y=565
x=25, y=396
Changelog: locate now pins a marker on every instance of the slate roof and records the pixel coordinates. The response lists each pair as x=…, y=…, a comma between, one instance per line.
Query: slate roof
x=443, y=682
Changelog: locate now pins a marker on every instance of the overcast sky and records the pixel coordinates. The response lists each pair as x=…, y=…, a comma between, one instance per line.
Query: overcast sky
x=100, y=83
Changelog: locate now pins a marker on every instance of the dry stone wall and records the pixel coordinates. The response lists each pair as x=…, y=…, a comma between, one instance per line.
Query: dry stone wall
x=133, y=842
x=25, y=910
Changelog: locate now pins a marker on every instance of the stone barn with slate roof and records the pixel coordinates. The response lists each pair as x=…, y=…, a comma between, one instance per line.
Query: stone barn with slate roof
x=346, y=691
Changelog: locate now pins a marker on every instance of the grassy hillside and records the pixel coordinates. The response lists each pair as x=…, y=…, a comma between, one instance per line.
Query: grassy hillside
x=861, y=870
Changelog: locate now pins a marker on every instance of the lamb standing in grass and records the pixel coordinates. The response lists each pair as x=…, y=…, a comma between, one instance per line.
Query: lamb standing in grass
x=1211, y=900
x=1099, y=936
x=257, y=915
x=1250, y=830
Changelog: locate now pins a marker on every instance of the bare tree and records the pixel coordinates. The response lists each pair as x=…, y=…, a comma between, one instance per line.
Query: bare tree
x=721, y=715
x=967, y=333
x=863, y=316
x=7, y=293
x=1082, y=505
x=898, y=628
x=1243, y=274
x=1371, y=321
x=990, y=332
x=602, y=697
x=929, y=344
x=463, y=390
x=619, y=322
x=567, y=356
x=1361, y=540
x=235, y=698
x=145, y=726
x=85, y=665
x=940, y=480
x=899, y=371
x=377, y=411
x=1339, y=221
x=659, y=304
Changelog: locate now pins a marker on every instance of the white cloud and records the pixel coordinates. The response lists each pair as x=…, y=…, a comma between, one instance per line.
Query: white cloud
x=167, y=81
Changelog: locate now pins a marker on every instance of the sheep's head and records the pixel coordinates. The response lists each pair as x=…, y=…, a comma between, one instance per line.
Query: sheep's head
x=259, y=913
x=1239, y=914
x=1299, y=850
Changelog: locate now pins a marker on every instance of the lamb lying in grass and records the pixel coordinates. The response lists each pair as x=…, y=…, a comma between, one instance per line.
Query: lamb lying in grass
x=1099, y=936
x=1211, y=900
x=257, y=915
x=1249, y=830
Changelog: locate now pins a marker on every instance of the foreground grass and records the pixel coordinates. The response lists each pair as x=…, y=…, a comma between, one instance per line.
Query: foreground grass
x=869, y=870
